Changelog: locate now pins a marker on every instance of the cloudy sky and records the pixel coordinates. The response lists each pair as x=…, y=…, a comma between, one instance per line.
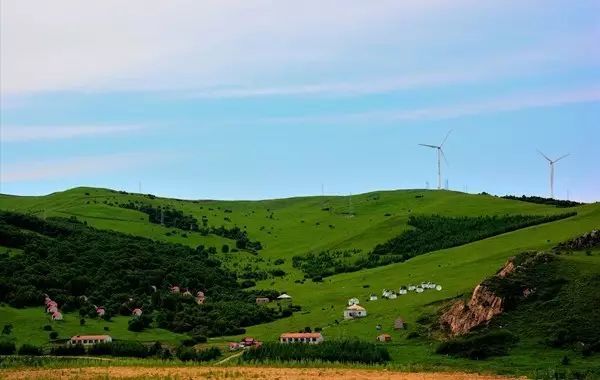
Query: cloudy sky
x=260, y=99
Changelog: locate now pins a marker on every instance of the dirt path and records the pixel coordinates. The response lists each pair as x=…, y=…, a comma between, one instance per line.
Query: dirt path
x=216, y=373
x=229, y=358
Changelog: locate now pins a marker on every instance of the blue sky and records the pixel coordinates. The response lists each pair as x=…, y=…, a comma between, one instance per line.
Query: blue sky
x=263, y=99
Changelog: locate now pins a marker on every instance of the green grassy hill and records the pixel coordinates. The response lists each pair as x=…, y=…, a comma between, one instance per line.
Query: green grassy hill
x=296, y=226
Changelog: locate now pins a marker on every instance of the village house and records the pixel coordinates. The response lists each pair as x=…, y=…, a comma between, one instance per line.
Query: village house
x=200, y=298
x=353, y=301
x=137, y=312
x=310, y=338
x=100, y=311
x=57, y=316
x=372, y=297
x=250, y=342
x=355, y=311
x=90, y=339
x=262, y=300
x=384, y=338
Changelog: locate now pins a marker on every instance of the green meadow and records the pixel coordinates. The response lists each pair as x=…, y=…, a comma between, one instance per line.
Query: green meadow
x=296, y=226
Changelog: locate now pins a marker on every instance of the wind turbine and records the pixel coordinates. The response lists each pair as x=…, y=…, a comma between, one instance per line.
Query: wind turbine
x=552, y=162
x=440, y=154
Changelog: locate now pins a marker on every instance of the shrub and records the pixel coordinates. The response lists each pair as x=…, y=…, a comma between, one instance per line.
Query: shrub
x=123, y=349
x=47, y=328
x=495, y=343
x=7, y=329
x=208, y=354
x=68, y=350
x=7, y=348
x=29, y=350
x=185, y=354
x=225, y=248
x=53, y=335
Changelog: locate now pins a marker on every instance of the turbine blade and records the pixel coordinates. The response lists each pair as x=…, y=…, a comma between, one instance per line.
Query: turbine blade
x=543, y=155
x=444, y=156
x=561, y=157
x=429, y=146
x=445, y=138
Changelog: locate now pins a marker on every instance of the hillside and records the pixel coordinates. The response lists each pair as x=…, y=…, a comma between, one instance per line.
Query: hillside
x=290, y=227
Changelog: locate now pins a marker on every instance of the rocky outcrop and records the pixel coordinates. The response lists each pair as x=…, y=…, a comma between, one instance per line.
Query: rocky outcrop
x=462, y=316
x=585, y=241
x=483, y=305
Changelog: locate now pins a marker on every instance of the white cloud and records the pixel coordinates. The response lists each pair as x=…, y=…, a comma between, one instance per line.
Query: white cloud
x=513, y=102
x=74, y=167
x=185, y=44
x=18, y=133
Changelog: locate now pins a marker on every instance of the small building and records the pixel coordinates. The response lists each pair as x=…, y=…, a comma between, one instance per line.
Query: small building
x=262, y=300
x=372, y=297
x=419, y=289
x=392, y=296
x=87, y=340
x=250, y=342
x=52, y=309
x=175, y=289
x=200, y=298
x=284, y=296
x=438, y=287
x=384, y=338
x=57, y=316
x=137, y=312
x=187, y=293
x=100, y=311
x=234, y=346
x=353, y=301
x=402, y=291
x=399, y=324
x=355, y=311
x=411, y=288
x=309, y=338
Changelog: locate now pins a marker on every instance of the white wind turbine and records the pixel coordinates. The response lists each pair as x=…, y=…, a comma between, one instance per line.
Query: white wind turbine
x=552, y=162
x=440, y=154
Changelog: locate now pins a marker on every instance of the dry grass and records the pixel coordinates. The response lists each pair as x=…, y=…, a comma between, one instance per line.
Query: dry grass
x=256, y=373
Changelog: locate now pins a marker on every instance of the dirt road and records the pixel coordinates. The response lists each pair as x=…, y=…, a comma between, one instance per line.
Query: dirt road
x=216, y=373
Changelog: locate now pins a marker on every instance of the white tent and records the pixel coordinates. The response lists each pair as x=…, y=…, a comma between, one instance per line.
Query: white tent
x=353, y=301
x=284, y=297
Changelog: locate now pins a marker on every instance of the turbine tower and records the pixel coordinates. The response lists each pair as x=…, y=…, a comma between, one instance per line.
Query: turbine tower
x=552, y=162
x=440, y=154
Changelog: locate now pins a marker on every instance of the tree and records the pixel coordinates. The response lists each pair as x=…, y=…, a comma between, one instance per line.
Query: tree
x=225, y=248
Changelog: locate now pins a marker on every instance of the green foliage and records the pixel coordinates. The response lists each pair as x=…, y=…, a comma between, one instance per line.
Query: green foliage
x=68, y=350
x=119, y=348
x=342, y=351
x=190, y=354
x=435, y=232
x=138, y=324
x=7, y=329
x=29, y=350
x=480, y=345
x=544, y=201
x=7, y=347
x=167, y=216
x=122, y=269
x=53, y=335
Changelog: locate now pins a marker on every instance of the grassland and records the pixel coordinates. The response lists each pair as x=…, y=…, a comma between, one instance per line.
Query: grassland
x=289, y=227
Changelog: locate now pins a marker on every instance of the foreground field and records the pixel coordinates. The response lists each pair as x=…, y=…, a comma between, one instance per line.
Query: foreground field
x=235, y=373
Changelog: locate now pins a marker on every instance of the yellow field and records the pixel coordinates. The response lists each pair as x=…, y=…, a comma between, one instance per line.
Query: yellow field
x=234, y=373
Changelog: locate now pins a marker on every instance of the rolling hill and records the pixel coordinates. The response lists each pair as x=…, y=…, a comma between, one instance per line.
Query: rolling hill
x=296, y=226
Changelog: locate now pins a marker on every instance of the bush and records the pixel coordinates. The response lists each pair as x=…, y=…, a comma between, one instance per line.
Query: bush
x=7, y=348
x=495, y=343
x=208, y=354
x=47, y=328
x=53, y=335
x=225, y=248
x=185, y=354
x=68, y=350
x=123, y=349
x=29, y=350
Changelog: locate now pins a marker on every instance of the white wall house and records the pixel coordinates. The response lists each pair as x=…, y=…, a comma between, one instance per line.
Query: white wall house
x=87, y=340
x=355, y=311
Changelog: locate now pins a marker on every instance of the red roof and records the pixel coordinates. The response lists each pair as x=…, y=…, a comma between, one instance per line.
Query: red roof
x=300, y=335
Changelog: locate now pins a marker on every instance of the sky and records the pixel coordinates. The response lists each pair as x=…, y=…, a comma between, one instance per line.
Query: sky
x=255, y=99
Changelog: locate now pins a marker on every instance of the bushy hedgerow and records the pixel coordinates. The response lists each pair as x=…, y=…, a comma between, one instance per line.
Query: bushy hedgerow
x=68, y=350
x=120, y=348
x=343, y=351
x=479, y=346
x=190, y=354
x=544, y=201
x=7, y=347
x=30, y=350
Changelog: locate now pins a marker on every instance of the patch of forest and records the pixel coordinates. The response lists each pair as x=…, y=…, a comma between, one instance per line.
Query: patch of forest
x=79, y=266
x=173, y=218
x=429, y=233
x=544, y=201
